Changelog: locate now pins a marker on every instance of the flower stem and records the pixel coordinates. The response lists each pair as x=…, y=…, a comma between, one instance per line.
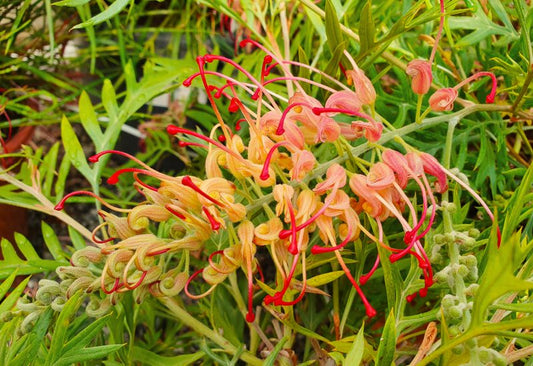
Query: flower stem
x=200, y=328
x=418, y=118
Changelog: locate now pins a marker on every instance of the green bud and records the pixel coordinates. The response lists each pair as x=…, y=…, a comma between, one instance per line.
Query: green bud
x=6, y=316
x=484, y=354
x=449, y=238
x=462, y=270
x=438, y=239
x=458, y=349
x=455, y=313
x=473, y=233
x=448, y=301
x=472, y=289
x=454, y=331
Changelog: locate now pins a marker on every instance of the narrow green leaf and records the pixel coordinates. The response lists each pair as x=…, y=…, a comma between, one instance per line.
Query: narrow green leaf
x=26, y=247
x=273, y=356
x=74, y=150
x=516, y=204
x=6, y=285
x=108, y=13
x=150, y=358
x=519, y=308
x=88, y=118
x=9, y=253
x=78, y=241
x=366, y=28
x=333, y=27
x=52, y=242
x=14, y=296
x=87, y=354
x=70, y=2
x=324, y=278
x=84, y=337
x=304, y=72
x=355, y=356
x=387, y=344
x=48, y=169
x=15, y=28
x=59, y=186
x=109, y=99
x=332, y=67
x=27, y=355
x=59, y=335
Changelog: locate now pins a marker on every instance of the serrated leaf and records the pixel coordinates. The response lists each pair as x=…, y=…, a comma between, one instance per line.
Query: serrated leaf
x=113, y=9
x=74, y=150
x=387, y=344
x=324, y=278
x=366, y=28
x=88, y=118
x=6, y=285
x=355, y=356
x=150, y=358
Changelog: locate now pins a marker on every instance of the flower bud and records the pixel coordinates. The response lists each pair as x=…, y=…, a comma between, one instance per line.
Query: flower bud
x=443, y=99
x=86, y=256
x=363, y=86
x=96, y=308
x=58, y=303
x=420, y=72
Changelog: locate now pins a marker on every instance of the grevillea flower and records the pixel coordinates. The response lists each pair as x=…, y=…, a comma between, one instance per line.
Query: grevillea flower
x=443, y=99
x=421, y=76
x=363, y=86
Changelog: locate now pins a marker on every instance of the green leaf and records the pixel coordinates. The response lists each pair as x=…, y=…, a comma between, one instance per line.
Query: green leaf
x=498, y=277
x=519, y=308
x=333, y=27
x=366, y=28
x=108, y=13
x=84, y=337
x=87, y=354
x=109, y=99
x=48, y=169
x=73, y=149
x=26, y=247
x=12, y=262
x=6, y=285
x=333, y=64
x=70, y=2
x=273, y=356
x=150, y=358
x=88, y=118
x=59, y=336
x=516, y=205
x=52, y=242
x=387, y=344
x=355, y=356
x=304, y=72
x=34, y=340
x=78, y=241
x=10, y=301
x=324, y=278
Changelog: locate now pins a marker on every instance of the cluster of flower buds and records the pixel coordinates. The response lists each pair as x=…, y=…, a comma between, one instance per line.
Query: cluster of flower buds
x=271, y=165
x=422, y=77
